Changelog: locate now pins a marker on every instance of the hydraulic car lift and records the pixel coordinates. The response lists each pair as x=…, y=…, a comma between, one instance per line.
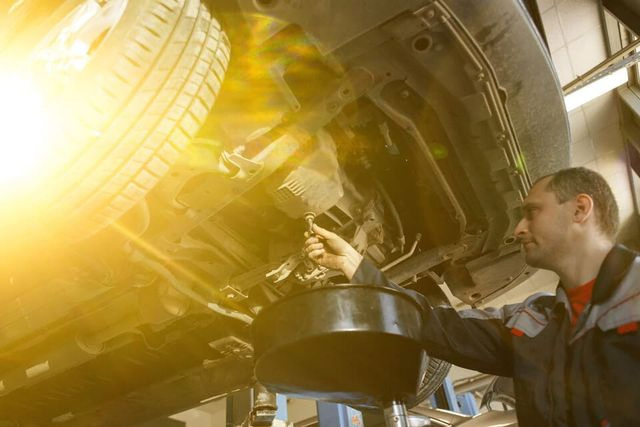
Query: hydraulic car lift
x=257, y=407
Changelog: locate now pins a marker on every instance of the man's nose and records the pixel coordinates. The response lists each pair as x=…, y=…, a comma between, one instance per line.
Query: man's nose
x=521, y=229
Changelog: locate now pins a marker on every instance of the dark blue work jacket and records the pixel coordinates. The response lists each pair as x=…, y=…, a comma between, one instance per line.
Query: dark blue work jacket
x=563, y=376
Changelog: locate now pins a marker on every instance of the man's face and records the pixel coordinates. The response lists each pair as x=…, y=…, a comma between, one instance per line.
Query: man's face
x=544, y=228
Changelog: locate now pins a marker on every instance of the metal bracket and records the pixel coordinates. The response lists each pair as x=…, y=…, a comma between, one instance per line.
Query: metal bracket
x=233, y=346
x=237, y=167
x=233, y=294
x=285, y=269
x=293, y=263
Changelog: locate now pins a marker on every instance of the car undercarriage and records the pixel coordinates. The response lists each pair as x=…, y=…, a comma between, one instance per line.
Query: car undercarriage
x=192, y=140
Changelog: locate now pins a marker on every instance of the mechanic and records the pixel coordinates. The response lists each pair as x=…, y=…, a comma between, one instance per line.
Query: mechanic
x=574, y=356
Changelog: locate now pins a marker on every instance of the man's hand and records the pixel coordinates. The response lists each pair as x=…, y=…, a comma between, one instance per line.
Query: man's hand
x=332, y=251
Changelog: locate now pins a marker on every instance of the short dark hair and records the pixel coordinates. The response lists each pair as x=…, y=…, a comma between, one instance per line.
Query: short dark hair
x=568, y=183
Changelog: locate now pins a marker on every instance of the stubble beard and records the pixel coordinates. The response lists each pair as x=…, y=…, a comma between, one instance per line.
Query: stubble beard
x=537, y=257
x=533, y=259
x=546, y=258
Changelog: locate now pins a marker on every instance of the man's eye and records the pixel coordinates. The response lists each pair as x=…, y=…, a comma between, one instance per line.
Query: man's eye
x=529, y=213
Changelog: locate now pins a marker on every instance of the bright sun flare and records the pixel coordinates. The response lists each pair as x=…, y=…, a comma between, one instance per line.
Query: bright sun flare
x=24, y=132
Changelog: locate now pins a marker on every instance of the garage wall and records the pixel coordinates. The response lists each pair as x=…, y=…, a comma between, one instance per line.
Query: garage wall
x=576, y=42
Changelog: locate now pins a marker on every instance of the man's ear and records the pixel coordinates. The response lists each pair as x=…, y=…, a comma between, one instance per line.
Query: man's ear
x=583, y=208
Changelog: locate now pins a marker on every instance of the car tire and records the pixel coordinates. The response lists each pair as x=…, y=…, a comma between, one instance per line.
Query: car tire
x=131, y=112
x=436, y=370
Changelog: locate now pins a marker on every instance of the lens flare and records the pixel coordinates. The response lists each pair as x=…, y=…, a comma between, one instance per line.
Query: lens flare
x=24, y=132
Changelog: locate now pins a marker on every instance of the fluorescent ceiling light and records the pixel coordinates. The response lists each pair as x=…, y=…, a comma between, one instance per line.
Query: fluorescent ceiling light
x=593, y=90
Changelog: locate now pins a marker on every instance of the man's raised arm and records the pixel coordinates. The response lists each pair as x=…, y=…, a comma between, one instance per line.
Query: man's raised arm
x=474, y=339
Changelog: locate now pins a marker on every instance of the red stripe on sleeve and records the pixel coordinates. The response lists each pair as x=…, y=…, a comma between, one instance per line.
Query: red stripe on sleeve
x=628, y=328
